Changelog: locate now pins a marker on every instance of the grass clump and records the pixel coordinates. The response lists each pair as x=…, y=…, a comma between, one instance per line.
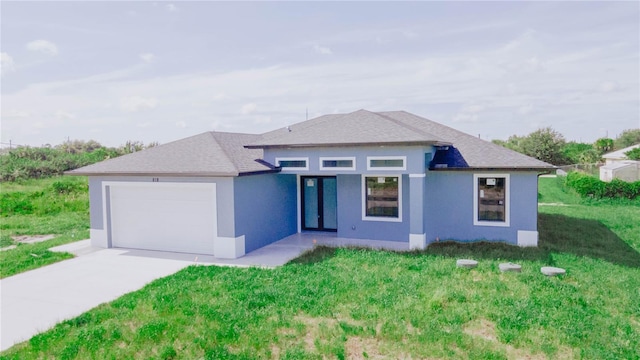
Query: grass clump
x=358, y=303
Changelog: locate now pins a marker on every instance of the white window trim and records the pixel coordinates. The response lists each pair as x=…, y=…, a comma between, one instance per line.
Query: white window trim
x=403, y=158
x=323, y=159
x=364, y=199
x=507, y=199
x=305, y=159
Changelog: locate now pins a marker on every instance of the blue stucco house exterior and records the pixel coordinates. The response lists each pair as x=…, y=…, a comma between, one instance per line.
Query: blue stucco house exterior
x=390, y=176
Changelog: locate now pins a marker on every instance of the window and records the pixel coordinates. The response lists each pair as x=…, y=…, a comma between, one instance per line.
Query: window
x=337, y=163
x=386, y=162
x=491, y=201
x=293, y=163
x=381, y=198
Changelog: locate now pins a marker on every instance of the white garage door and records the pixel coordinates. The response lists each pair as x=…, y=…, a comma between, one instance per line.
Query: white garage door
x=164, y=216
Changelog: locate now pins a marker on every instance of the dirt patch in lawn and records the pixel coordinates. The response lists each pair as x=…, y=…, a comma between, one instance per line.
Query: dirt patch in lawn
x=318, y=328
x=481, y=328
x=486, y=330
x=313, y=326
x=361, y=348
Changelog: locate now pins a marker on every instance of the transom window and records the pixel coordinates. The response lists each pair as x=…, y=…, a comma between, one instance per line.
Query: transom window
x=491, y=202
x=293, y=163
x=386, y=162
x=381, y=198
x=337, y=163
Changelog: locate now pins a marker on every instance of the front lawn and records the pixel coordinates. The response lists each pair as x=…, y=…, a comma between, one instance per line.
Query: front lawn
x=353, y=303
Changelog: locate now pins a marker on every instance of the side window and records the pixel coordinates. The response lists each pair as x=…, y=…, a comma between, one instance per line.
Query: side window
x=386, y=163
x=293, y=163
x=337, y=163
x=491, y=203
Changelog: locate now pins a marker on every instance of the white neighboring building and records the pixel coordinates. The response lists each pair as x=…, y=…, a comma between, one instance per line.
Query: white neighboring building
x=619, y=166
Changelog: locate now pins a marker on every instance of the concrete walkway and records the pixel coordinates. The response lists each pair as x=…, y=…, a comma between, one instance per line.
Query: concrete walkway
x=36, y=300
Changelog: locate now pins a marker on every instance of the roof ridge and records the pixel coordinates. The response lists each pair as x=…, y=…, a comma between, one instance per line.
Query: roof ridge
x=410, y=127
x=224, y=151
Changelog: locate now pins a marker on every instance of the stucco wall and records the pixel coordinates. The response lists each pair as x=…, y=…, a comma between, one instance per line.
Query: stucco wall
x=449, y=207
x=415, y=158
x=265, y=208
x=350, y=223
x=224, y=198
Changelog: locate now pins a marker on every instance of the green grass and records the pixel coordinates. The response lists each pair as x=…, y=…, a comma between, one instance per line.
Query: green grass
x=355, y=303
x=56, y=205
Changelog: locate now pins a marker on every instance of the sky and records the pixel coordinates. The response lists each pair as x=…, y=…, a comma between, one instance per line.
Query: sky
x=161, y=71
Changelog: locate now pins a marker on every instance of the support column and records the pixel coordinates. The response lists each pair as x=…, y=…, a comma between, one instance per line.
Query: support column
x=417, y=235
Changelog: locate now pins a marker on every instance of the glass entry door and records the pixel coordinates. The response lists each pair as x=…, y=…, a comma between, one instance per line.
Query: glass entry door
x=319, y=203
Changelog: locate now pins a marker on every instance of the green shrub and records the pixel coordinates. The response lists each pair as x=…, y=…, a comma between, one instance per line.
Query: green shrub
x=5, y=240
x=589, y=186
x=67, y=187
x=15, y=203
x=633, y=154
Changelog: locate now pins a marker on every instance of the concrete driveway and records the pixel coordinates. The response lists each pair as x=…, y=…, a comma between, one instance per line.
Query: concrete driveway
x=36, y=300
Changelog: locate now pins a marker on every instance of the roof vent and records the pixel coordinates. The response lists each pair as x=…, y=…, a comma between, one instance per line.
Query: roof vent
x=289, y=128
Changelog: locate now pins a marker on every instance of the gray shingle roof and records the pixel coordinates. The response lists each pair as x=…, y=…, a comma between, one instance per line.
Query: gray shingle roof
x=232, y=154
x=478, y=153
x=207, y=154
x=395, y=127
x=361, y=127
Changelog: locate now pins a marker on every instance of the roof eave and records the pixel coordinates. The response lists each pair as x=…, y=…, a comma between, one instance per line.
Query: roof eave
x=345, y=144
x=498, y=168
x=153, y=174
x=260, y=172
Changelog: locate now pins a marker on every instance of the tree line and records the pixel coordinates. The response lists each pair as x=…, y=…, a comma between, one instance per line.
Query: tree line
x=549, y=145
x=26, y=162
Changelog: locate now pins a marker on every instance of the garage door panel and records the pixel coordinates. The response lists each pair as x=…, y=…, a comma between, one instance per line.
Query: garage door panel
x=179, y=218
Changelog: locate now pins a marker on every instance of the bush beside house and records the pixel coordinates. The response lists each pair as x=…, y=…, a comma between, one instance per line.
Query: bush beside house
x=589, y=186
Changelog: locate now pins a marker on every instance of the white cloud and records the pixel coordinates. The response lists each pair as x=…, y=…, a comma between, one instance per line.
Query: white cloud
x=6, y=64
x=144, y=124
x=136, y=103
x=171, y=7
x=525, y=109
x=608, y=86
x=473, y=108
x=17, y=114
x=322, y=50
x=147, y=57
x=409, y=34
x=248, y=108
x=181, y=124
x=43, y=46
x=62, y=115
x=220, y=97
x=262, y=120
x=463, y=117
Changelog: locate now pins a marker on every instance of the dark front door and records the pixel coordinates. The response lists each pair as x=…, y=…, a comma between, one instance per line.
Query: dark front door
x=319, y=203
